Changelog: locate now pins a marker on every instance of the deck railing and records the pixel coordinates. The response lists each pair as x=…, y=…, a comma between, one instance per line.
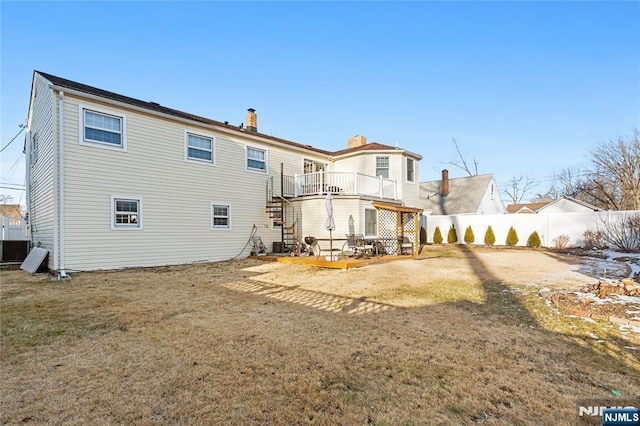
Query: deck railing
x=344, y=183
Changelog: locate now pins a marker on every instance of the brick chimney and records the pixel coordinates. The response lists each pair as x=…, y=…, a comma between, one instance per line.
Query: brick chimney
x=252, y=120
x=445, y=182
x=356, y=141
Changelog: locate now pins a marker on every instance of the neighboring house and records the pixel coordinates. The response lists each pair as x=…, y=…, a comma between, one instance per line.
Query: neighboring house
x=12, y=221
x=561, y=205
x=114, y=182
x=465, y=195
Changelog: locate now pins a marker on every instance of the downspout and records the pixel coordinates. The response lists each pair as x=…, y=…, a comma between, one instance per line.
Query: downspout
x=62, y=274
x=28, y=184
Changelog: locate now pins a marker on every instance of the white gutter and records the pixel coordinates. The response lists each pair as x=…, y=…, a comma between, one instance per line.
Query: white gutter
x=186, y=120
x=62, y=274
x=27, y=162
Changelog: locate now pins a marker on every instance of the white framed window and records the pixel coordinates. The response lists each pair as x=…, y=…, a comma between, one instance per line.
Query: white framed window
x=99, y=127
x=220, y=216
x=256, y=159
x=311, y=166
x=126, y=212
x=411, y=170
x=33, y=151
x=200, y=148
x=382, y=167
x=370, y=222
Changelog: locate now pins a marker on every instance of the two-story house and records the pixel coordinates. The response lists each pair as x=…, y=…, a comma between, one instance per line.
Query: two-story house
x=114, y=182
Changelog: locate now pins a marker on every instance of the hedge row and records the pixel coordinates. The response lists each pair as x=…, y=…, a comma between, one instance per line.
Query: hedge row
x=489, y=237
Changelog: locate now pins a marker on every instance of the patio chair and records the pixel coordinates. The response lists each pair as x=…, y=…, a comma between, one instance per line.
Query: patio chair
x=357, y=246
x=406, y=246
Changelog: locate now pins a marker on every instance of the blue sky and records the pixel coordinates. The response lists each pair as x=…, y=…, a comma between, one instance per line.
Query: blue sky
x=526, y=88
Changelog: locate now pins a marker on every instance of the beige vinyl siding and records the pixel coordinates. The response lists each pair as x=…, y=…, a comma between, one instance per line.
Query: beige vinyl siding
x=177, y=194
x=42, y=181
x=409, y=192
x=356, y=163
x=314, y=213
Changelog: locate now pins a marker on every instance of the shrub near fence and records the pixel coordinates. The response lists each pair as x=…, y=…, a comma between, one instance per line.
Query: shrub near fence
x=548, y=225
x=452, y=236
x=469, y=238
x=489, y=236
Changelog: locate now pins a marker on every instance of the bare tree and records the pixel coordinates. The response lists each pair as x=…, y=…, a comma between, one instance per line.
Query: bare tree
x=519, y=187
x=6, y=199
x=615, y=178
x=612, y=181
x=567, y=183
x=462, y=162
x=623, y=234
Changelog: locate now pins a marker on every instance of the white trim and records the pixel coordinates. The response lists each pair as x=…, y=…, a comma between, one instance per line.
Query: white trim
x=200, y=134
x=102, y=110
x=61, y=268
x=229, y=217
x=127, y=197
x=246, y=159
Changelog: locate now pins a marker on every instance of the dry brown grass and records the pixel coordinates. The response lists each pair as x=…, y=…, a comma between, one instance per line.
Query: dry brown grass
x=246, y=342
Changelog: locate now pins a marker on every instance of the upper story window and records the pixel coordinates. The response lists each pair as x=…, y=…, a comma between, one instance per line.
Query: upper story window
x=220, y=216
x=410, y=170
x=200, y=148
x=382, y=167
x=256, y=159
x=126, y=212
x=102, y=128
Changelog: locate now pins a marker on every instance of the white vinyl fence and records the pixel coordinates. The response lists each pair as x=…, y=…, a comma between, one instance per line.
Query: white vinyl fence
x=13, y=228
x=549, y=226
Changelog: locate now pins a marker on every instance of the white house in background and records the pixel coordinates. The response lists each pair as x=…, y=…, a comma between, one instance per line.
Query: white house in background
x=114, y=182
x=560, y=205
x=12, y=221
x=465, y=195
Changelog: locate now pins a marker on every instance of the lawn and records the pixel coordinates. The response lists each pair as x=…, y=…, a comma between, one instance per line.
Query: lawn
x=457, y=336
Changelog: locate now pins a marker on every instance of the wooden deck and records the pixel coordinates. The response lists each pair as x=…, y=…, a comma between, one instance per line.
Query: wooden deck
x=321, y=262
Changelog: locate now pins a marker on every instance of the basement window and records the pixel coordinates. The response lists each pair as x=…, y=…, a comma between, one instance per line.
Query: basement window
x=126, y=212
x=220, y=216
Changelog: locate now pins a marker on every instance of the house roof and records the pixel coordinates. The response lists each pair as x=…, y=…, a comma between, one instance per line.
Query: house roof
x=396, y=207
x=539, y=206
x=465, y=195
x=572, y=200
x=10, y=210
x=155, y=107
x=373, y=146
x=526, y=207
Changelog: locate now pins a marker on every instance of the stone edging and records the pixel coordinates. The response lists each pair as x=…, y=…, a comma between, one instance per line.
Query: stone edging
x=614, y=320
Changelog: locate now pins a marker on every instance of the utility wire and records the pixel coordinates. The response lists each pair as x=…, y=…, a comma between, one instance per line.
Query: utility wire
x=22, y=127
